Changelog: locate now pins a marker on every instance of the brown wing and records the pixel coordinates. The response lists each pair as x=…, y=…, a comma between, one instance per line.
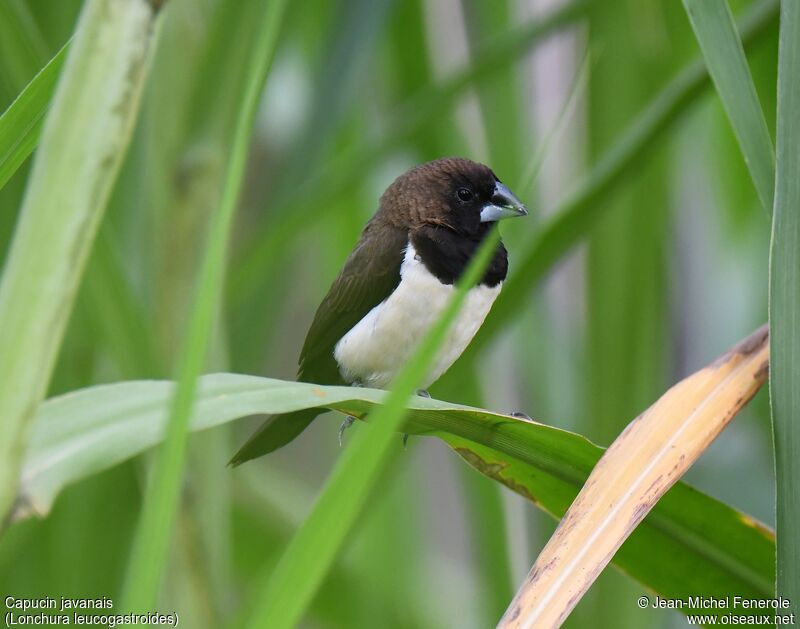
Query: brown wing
x=368, y=277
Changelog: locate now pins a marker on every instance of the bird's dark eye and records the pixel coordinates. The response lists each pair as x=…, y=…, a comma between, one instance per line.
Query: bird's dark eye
x=464, y=194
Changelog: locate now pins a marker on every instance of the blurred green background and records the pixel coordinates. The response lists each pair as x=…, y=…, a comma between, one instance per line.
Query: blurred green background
x=673, y=272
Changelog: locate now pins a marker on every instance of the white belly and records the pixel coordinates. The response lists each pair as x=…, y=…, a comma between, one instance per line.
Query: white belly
x=375, y=349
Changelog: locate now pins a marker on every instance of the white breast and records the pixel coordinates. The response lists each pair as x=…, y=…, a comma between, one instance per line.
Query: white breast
x=375, y=349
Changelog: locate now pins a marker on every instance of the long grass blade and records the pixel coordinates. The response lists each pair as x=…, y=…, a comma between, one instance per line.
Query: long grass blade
x=716, y=33
x=286, y=592
x=84, y=140
x=158, y=512
x=577, y=89
x=21, y=123
x=784, y=306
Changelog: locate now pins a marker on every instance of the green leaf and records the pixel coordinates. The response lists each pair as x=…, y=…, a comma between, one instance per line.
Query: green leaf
x=21, y=123
x=151, y=544
x=716, y=33
x=83, y=142
x=689, y=544
x=784, y=305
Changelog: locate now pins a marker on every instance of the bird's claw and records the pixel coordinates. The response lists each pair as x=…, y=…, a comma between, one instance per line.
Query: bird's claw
x=405, y=440
x=348, y=421
x=521, y=415
x=423, y=393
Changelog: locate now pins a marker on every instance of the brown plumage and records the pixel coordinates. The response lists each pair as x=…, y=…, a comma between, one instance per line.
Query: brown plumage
x=423, y=194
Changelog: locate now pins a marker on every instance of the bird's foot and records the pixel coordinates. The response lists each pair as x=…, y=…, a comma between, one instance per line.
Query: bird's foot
x=405, y=440
x=348, y=421
x=423, y=393
x=521, y=415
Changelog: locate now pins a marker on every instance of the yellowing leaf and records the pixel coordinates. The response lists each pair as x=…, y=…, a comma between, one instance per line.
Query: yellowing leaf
x=650, y=455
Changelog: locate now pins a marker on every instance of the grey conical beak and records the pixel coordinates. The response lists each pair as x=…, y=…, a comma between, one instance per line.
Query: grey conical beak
x=504, y=204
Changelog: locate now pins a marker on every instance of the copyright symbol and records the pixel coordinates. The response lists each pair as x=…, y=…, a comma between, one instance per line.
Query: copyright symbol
x=643, y=602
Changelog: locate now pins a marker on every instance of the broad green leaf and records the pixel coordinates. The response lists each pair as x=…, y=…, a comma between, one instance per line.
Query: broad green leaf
x=716, y=33
x=690, y=543
x=784, y=306
x=84, y=139
x=21, y=123
x=151, y=544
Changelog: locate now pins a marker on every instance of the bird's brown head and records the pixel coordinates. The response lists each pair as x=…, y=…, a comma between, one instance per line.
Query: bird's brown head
x=452, y=192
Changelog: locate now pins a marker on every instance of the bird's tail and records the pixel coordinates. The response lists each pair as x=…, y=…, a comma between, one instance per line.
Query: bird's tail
x=274, y=433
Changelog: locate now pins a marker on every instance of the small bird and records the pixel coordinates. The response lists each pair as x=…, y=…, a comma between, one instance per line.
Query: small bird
x=395, y=284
